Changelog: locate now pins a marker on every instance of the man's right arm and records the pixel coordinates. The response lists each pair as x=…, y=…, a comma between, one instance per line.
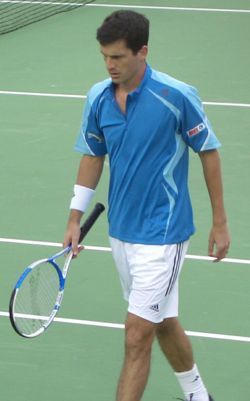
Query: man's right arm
x=89, y=173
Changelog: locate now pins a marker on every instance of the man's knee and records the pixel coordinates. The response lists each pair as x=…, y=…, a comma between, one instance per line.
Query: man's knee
x=139, y=334
x=167, y=327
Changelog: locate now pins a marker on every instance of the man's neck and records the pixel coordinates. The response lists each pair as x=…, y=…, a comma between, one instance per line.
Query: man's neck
x=131, y=85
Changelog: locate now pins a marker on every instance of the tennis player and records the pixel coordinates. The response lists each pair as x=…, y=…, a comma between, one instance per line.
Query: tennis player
x=146, y=121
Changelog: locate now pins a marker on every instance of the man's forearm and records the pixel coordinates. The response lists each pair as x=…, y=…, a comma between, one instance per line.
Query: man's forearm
x=90, y=171
x=219, y=237
x=213, y=177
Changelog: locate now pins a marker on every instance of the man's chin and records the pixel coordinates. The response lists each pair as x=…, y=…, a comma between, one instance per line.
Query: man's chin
x=115, y=79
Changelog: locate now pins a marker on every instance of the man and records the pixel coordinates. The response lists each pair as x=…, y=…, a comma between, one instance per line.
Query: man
x=146, y=121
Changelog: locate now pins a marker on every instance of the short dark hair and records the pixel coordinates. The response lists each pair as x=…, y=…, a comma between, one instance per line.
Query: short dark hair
x=125, y=25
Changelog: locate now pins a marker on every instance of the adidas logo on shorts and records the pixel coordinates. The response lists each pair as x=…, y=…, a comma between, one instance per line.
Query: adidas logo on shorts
x=155, y=307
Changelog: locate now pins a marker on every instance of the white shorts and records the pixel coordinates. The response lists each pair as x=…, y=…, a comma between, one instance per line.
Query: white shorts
x=149, y=277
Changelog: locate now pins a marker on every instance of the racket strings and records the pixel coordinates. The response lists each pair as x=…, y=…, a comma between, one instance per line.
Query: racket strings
x=36, y=298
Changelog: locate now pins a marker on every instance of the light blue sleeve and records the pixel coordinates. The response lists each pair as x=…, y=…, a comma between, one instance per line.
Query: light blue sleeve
x=91, y=140
x=196, y=129
x=81, y=144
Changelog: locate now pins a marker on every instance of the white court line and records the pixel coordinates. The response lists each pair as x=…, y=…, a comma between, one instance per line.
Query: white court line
x=69, y=96
x=121, y=326
x=42, y=94
x=216, y=10
x=221, y=10
x=106, y=249
x=226, y=104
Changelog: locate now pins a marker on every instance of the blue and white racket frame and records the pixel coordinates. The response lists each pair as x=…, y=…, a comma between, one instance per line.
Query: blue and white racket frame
x=62, y=274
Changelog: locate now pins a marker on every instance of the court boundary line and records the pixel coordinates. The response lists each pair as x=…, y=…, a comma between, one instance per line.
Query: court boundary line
x=170, y=8
x=145, y=7
x=108, y=249
x=42, y=94
x=72, y=96
x=80, y=322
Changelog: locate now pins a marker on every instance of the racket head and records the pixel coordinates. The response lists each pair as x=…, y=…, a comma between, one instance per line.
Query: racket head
x=38, y=293
x=37, y=297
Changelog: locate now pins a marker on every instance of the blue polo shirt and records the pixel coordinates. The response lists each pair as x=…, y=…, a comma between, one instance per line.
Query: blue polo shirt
x=149, y=201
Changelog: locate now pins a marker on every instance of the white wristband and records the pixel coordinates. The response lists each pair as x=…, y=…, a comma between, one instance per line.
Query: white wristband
x=82, y=197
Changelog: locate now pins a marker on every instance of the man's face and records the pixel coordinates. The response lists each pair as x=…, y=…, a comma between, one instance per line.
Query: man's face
x=122, y=64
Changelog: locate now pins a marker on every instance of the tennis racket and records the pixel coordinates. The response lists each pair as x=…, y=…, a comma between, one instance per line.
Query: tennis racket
x=38, y=293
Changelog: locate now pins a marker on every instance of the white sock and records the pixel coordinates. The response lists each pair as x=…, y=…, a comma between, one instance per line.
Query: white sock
x=192, y=385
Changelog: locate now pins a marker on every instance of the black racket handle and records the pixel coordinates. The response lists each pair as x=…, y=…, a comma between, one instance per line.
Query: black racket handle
x=91, y=219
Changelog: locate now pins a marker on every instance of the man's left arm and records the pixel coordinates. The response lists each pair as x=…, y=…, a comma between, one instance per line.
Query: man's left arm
x=219, y=238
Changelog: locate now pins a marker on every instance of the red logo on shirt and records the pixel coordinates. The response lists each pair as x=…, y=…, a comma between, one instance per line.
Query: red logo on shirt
x=196, y=130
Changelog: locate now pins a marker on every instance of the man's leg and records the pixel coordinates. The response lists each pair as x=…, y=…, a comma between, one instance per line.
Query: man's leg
x=178, y=351
x=175, y=345
x=138, y=343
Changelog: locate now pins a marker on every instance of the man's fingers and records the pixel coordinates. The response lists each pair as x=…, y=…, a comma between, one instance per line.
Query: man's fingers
x=219, y=242
x=72, y=238
x=219, y=253
x=211, y=245
x=75, y=241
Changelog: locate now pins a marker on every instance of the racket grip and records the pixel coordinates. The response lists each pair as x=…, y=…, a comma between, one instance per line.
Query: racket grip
x=91, y=219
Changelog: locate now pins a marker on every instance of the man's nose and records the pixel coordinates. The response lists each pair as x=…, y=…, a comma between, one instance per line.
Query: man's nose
x=109, y=63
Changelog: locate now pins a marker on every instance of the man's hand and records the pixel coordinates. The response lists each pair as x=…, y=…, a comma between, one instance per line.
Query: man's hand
x=219, y=242
x=72, y=233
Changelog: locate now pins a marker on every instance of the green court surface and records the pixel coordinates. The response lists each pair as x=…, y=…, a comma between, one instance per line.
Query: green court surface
x=80, y=358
